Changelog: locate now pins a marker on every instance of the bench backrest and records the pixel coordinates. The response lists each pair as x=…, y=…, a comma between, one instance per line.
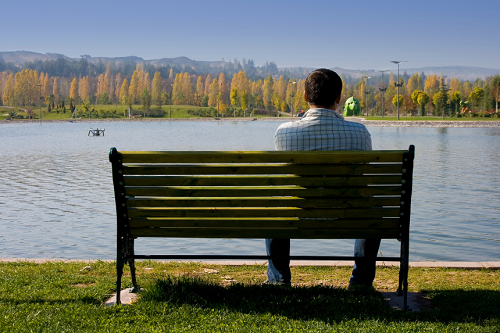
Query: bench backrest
x=272, y=194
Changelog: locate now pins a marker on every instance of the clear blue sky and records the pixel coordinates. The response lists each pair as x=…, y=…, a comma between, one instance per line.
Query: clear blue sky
x=348, y=34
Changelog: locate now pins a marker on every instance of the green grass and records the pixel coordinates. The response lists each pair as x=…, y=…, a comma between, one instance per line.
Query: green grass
x=180, y=112
x=185, y=297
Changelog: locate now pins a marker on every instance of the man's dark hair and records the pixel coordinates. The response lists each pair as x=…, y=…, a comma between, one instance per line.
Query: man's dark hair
x=323, y=86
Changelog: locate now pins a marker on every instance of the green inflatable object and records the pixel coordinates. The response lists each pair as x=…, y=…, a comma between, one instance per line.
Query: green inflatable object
x=352, y=107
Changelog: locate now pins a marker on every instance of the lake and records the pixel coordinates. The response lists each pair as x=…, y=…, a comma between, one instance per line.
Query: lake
x=56, y=195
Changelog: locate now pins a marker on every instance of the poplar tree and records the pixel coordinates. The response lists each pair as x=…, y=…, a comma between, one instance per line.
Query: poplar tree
x=187, y=88
x=213, y=91
x=234, y=97
x=123, y=92
x=267, y=92
x=156, y=91
x=8, y=90
x=208, y=81
x=198, y=95
x=73, y=93
x=132, y=89
x=244, y=100
x=177, y=96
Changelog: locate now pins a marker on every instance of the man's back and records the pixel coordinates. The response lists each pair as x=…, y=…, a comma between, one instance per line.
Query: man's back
x=322, y=129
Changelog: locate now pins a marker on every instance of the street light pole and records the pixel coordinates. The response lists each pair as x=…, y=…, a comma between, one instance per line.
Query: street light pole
x=366, y=101
x=382, y=90
x=398, y=84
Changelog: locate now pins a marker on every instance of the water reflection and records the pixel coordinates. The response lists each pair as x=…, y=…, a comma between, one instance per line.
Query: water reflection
x=56, y=198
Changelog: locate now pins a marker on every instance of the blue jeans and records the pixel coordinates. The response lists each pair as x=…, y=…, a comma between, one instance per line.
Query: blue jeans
x=278, y=270
x=363, y=273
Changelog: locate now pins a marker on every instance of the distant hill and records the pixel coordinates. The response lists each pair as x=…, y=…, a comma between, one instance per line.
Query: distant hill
x=20, y=58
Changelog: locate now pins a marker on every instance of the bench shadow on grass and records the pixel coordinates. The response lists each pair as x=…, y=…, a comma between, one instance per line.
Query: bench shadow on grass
x=323, y=303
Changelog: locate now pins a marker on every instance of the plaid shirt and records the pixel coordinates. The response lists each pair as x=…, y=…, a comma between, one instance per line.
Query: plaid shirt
x=322, y=129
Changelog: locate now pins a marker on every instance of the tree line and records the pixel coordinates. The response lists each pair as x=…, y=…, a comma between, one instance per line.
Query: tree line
x=418, y=94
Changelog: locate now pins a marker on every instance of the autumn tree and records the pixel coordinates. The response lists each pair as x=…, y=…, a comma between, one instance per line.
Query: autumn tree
x=495, y=90
x=213, y=92
x=156, y=91
x=268, y=91
x=177, y=95
x=55, y=89
x=244, y=100
x=395, y=100
x=234, y=97
x=73, y=93
x=146, y=99
x=187, y=88
x=132, y=89
x=199, y=92
x=83, y=88
x=476, y=96
x=124, y=92
x=208, y=81
x=8, y=91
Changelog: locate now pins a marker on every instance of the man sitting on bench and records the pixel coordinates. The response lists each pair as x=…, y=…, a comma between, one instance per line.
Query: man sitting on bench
x=322, y=128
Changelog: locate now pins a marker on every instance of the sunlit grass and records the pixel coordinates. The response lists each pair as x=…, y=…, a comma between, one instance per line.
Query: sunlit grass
x=199, y=297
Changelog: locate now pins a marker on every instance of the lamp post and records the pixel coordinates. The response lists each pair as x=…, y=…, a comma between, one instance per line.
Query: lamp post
x=382, y=90
x=39, y=100
x=366, y=93
x=398, y=84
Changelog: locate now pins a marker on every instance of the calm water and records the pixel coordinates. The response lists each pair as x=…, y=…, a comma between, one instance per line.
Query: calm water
x=56, y=198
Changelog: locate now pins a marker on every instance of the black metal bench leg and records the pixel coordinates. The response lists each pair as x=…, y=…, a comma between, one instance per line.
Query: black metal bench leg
x=131, y=264
x=403, y=274
x=119, y=273
x=132, y=273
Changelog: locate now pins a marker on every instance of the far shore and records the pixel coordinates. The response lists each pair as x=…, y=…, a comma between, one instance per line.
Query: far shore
x=368, y=123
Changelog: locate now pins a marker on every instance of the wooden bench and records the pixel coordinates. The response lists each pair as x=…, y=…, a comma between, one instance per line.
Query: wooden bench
x=252, y=194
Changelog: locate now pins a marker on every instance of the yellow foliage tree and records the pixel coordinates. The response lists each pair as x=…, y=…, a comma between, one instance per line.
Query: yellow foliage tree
x=83, y=90
x=73, y=93
x=208, y=81
x=133, y=89
x=200, y=89
x=156, y=91
x=8, y=91
x=124, y=92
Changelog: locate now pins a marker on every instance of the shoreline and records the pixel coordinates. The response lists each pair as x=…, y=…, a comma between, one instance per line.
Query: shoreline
x=494, y=265
x=368, y=123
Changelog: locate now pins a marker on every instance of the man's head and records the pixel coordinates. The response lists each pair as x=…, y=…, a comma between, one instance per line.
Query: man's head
x=323, y=88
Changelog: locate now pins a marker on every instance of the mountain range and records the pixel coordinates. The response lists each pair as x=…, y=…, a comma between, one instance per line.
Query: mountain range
x=19, y=58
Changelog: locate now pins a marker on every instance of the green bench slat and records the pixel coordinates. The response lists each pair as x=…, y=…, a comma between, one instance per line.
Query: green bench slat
x=265, y=233
x=265, y=169
x=303, y=157
x=264, y=202
x=265, y=223
x=264, y=212
x=262, y=191
x=259, y=181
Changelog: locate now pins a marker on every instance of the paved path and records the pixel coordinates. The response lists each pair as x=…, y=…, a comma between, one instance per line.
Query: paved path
x=427, y=264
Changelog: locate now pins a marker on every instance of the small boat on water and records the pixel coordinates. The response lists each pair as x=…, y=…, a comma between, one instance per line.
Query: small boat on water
x=96, y=132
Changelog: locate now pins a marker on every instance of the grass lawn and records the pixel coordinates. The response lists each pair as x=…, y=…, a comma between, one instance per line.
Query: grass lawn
x=181, y=111
x=196, y=297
